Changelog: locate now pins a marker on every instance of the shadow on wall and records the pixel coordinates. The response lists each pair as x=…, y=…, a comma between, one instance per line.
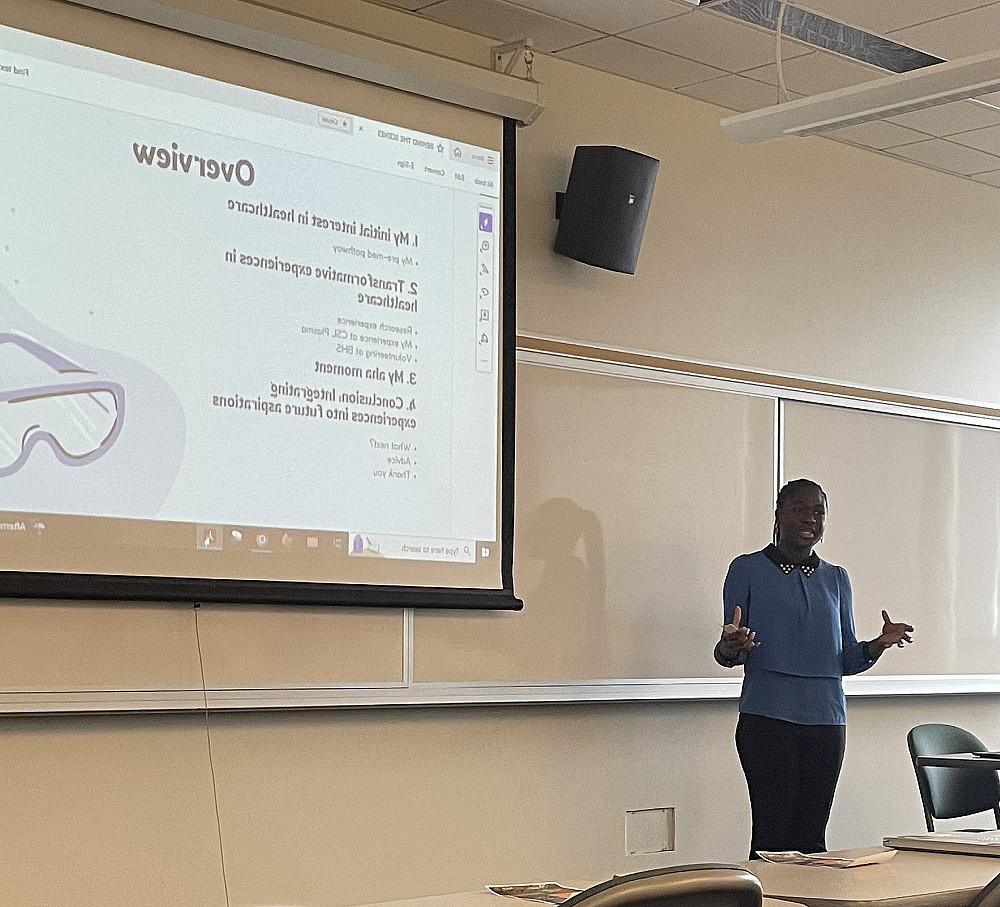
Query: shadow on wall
x=568, y=597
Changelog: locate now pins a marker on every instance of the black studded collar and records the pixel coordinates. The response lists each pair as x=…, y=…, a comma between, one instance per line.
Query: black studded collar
x=808, y=566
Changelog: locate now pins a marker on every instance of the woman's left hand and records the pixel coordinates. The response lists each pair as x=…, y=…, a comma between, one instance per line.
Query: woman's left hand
x=893, y=634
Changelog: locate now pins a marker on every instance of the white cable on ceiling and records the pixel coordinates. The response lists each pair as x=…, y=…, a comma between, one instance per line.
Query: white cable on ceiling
x=778, y=29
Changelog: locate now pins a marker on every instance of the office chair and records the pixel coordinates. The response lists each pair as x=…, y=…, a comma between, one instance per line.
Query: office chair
x=948, y=793
x=693, y=885
x=989, y=896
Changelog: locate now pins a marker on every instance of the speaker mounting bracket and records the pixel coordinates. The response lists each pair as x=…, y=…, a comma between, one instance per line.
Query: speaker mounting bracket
x=506, y=58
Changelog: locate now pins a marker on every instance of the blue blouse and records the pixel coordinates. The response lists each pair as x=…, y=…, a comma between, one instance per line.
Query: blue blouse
x=804, y=622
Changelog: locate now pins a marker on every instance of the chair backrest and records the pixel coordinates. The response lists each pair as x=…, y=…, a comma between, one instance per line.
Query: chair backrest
x=947, y=793
x=692, y=885
x=989, y=896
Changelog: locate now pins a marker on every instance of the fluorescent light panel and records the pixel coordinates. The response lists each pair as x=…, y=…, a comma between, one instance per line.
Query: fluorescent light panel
x=931, y=86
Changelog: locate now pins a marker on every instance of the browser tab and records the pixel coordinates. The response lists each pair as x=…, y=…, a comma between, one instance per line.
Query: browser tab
x=329, y=119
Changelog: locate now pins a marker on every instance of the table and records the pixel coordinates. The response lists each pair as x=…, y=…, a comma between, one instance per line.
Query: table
x=960, y=760
x=909, y=879
x=485, y=898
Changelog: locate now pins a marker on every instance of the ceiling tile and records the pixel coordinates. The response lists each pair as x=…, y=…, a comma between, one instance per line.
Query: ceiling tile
x=817, y=72
x=946, y=155
x=604, y=16
x=991, y=179
x=504, y=22
x=882, y=16
x=713, y=39
x=733, y=93
x=973, y=32
x=643, y=64
x=947, y=119
x=984, y=139
x=878, y=134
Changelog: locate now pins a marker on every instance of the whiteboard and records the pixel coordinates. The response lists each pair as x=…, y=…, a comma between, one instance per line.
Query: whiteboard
x=632, y=498
x=915, y=519
x=635, y=488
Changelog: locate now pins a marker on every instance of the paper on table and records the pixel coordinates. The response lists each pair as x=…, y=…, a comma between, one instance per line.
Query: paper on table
x=822, y=859
x=543, y=892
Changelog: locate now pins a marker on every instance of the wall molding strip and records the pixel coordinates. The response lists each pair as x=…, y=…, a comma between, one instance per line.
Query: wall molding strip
x=461, y=694
x=564, y=353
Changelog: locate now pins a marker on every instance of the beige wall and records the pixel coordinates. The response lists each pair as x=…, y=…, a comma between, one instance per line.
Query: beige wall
x=348, y=807
x=802, y=257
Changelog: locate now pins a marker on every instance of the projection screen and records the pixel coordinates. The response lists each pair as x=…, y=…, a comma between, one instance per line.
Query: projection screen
x=254, y=341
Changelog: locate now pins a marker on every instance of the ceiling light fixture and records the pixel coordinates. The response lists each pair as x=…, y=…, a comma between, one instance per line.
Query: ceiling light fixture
x=930, y=86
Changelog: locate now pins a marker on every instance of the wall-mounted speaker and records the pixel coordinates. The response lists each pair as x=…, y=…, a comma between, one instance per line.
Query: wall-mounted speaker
x=603, y=212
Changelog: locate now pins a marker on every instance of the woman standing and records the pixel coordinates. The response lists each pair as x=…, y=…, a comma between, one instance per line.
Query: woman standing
x=790, y=736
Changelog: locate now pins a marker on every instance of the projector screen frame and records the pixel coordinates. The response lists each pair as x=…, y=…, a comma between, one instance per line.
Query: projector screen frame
x=102, y=587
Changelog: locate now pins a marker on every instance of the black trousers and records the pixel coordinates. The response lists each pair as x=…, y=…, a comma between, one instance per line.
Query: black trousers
x=791, y=771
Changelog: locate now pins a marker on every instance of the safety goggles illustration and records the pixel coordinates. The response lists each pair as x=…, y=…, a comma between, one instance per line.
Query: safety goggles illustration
x=47, y=399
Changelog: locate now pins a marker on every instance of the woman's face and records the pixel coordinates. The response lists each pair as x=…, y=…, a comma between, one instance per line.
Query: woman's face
x=802, y=518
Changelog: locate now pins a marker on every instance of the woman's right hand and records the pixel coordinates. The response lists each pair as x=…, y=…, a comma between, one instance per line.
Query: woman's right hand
x=736, y=639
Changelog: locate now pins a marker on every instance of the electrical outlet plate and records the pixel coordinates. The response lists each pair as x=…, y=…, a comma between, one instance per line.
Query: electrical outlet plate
x=649, y=830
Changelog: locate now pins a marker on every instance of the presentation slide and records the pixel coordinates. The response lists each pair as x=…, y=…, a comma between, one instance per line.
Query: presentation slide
x=241, y=337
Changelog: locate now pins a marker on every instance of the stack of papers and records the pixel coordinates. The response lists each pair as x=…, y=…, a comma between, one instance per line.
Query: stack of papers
x=825, y=859
x=542, y=892
x=979, y=843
